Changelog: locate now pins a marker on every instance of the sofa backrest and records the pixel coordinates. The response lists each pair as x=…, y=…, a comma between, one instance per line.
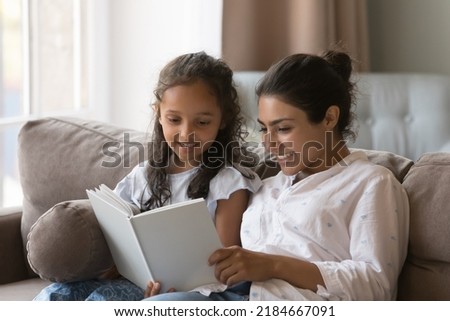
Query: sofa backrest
x=404, y=113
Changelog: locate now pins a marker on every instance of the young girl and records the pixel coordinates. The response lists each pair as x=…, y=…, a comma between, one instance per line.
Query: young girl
x=330, y=225
x=195, y=152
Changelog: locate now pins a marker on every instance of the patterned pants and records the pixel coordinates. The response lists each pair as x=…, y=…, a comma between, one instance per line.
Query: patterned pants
x=92, y=290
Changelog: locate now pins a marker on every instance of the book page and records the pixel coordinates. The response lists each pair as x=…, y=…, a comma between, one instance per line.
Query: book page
x=115, y=199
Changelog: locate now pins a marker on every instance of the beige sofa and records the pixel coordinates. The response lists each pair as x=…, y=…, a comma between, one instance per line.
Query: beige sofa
x=59, y=158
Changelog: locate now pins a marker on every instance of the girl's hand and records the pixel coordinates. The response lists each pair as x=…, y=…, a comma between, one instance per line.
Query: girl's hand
x=153, y=288
x=235, y=264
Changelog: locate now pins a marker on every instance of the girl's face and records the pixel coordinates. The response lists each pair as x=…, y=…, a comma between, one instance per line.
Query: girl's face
x=292, y=140
x=190, y=118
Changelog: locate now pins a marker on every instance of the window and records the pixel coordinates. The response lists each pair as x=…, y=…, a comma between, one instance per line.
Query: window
x=89, y=59
x=43, y=72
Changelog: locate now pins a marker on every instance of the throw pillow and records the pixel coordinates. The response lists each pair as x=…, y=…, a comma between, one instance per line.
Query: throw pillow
x=66, y=244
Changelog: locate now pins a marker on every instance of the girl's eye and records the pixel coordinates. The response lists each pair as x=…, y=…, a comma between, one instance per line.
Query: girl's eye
x=263, y=130
x=204, y=122
x=284, y=129
x=173, y=120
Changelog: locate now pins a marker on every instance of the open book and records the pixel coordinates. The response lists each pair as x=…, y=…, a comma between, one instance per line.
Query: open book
x=170, y=244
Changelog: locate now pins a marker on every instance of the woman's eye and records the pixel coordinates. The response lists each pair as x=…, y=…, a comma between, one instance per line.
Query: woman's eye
x=263, y=130
x=203, y=122
x=284, y=129
x=173, y=120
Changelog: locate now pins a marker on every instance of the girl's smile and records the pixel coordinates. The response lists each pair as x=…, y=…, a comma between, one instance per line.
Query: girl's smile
x=187, y=150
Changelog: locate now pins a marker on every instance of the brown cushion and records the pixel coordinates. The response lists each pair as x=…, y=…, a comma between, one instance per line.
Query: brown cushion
x=426, y=273
x=398, y=165
x=59, y=158
x=66, y=244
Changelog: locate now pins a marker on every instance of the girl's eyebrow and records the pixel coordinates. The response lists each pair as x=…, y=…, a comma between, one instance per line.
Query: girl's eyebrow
x=274, y=122
x=206, y=113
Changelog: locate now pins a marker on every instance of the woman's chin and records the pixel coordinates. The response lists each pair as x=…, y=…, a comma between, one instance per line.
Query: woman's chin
x=289, y=170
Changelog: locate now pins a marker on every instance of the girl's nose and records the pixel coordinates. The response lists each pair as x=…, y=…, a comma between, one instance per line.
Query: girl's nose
x=186, y=132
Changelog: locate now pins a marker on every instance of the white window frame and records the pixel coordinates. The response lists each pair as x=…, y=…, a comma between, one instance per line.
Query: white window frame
x=98, y=83
x=98, y=76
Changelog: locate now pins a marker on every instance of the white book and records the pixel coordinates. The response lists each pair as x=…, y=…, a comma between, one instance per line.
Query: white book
x=170, y=244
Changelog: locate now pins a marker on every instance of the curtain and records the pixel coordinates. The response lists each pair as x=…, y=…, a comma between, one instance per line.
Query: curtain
x=257, y=33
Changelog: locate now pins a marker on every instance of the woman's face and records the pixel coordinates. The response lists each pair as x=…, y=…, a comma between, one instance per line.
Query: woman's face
x=292, y=140
x=191, y=118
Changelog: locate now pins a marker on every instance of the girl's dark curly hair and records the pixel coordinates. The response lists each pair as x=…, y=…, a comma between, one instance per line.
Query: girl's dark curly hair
x=215, y=73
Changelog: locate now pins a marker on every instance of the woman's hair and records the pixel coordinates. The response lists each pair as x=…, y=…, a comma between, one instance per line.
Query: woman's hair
x=215, y=73
x=314, y=83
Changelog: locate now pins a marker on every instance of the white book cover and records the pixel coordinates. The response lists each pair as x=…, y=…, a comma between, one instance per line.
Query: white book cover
x=170, y=244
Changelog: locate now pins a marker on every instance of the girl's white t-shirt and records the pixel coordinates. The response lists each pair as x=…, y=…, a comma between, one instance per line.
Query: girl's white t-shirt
x=133, y=188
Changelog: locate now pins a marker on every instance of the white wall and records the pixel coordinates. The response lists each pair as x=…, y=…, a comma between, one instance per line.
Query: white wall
x=410, y=35
x=405, y=35
x=146, y=34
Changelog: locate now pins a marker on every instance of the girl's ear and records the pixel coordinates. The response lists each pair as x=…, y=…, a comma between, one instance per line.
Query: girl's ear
x=331, y=117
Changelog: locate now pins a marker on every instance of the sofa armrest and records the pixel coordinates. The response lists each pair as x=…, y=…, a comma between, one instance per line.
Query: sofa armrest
x=13, y=266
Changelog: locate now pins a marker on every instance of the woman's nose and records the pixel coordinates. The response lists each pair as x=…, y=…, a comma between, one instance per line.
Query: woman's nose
x=269, y=141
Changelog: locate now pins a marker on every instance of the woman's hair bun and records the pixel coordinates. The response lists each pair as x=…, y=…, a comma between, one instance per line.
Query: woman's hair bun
x=340, y=62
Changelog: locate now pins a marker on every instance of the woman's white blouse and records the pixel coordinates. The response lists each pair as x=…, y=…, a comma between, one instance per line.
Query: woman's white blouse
x=134, y=187
x=351, y=220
